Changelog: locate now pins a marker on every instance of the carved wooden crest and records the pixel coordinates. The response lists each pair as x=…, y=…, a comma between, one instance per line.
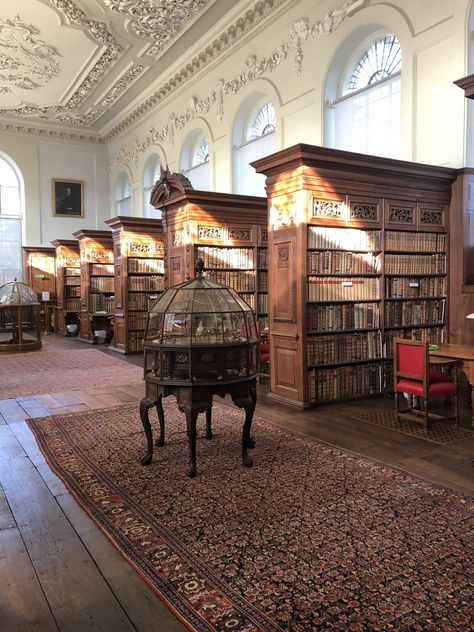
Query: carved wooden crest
x=168, y=185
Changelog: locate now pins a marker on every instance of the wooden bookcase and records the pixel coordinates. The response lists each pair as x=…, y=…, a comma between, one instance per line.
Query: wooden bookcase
x=357, y=254
x=68, y=284
x=229, y=232
x=139, y=277
x=97, y=282
x=39, y=272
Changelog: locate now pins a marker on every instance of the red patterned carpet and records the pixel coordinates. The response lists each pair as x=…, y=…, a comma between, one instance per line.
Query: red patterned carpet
x=47, y=371
x=310, y=538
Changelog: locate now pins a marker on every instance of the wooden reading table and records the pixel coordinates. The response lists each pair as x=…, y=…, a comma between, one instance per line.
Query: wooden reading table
x=465, y=355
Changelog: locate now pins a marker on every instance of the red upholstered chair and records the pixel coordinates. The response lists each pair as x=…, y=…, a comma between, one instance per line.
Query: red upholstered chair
x=413, y=376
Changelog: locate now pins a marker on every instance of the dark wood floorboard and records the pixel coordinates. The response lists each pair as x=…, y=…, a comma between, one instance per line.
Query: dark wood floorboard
x=59, y=572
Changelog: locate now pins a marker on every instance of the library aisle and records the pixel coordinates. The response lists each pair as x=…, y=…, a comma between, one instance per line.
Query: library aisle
x=64, y=574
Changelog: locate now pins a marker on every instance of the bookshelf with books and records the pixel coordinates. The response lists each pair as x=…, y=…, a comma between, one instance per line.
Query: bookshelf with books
x=39, y=272
x=229, y=232
x=139, y=277
x=97, y=284
x=357, y=253
x=68, y=284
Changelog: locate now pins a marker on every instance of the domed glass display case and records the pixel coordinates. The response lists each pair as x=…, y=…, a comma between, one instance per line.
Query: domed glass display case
x=200, y=332
x=200, y=340
x=19, y=318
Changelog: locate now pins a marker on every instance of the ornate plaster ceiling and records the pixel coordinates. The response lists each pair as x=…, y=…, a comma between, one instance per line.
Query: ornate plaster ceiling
x=78, y=64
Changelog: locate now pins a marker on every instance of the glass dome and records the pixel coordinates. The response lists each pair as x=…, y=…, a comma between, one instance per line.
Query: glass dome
x=17, y=293
x=19, y=318
x=200, y=332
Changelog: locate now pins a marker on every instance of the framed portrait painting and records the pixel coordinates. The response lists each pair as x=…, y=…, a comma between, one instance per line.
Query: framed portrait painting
x=68, y=198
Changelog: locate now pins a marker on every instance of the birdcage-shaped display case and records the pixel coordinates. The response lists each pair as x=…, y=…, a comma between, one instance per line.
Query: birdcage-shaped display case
x=19, y=318
x=200, y=332
x=200, y=340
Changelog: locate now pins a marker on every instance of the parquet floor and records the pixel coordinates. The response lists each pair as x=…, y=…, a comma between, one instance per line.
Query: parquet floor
x=58, y=571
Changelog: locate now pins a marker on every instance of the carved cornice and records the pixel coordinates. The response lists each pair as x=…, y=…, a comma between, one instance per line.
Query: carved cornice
x=253, y=69
x=157, y=21
x=69, y=137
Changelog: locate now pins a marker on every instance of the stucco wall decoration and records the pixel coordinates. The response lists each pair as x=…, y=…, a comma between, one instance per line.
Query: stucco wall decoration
x=253, y=69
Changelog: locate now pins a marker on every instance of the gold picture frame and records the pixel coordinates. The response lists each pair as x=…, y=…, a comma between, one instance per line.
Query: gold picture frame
x=68, y=197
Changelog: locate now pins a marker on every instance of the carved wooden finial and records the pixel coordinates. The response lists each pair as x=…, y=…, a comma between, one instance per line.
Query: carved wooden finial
x=168, y=185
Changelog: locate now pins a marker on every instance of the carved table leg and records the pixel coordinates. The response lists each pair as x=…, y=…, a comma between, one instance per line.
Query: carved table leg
x=160, y=442
x=209, y=434
x=145, y=405
x=247, y=441
x=191, y=421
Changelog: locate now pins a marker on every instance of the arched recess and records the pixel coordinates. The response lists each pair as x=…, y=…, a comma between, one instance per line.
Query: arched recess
x=11, y=219
x=254, y=136
x=362, y=93
x=195, y=158
x=151, y=173
x=123, y=194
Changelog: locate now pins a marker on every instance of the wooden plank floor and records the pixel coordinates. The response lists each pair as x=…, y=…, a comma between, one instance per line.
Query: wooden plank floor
x=59, y=572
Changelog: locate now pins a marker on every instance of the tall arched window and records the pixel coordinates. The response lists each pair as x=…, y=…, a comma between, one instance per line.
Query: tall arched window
x=195, y=159
x=151, y=174
x=254, y=137
x=10, y=223
x=366, y=114
x=123, y=195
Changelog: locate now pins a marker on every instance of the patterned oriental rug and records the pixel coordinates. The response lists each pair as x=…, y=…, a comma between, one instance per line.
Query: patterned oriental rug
x=310, y=538
x=51, y=371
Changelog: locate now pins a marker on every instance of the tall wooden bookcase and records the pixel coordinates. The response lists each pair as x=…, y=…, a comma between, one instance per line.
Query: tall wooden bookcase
x=68, y=284
x=139, y=277
x=229, y=232
x=39, y=272
x=357, y=254
x=97, y=282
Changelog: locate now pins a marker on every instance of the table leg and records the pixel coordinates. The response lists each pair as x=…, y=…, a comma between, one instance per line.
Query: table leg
x=191, y=421
x=209, y=434
x=160, y=442
x=145, y=405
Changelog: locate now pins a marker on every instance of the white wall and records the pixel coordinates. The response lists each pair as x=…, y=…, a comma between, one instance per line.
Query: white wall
x=39, y=162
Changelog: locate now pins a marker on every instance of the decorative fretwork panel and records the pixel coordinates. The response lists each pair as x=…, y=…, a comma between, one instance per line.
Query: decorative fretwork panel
x=431, y=217
x=211, y=232
x=330, y=209
x=365, y=211
x=240, y=234
x=398, y=214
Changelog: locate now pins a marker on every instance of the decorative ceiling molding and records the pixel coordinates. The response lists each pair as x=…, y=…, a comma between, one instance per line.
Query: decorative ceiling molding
x=121, y=86
x=300, y=31
x=261, y=10
x=65, y=113
x=26, y=62
x=70, y=137
x=157, y=21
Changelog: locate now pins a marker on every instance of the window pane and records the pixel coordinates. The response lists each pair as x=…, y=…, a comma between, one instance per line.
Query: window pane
x=369, y=121
x=201, y=155
x=10, y=252
x=264, y=122
x=10, y=200
x=380, y=61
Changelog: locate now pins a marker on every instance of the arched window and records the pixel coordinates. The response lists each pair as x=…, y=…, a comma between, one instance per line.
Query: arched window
x=367, y=112
x=10, y=223
x=254, y=137
x=195, y=159
x=151, y=174
x=123, y=195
